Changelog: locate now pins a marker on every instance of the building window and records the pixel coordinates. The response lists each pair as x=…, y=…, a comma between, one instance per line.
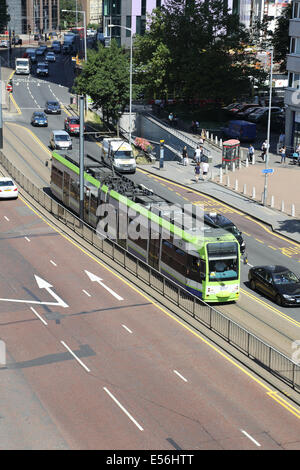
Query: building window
x=295, y=46
x=143, y=7
x=294, y=80
x=138, y=25
x=296, y=12
x=128, y=25
x=158, y=3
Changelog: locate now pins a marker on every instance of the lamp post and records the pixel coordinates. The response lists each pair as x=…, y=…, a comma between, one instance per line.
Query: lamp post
x=265, y=194
x=130, y=75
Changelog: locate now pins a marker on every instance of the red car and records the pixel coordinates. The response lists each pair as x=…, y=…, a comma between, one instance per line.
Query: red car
x=72, y=125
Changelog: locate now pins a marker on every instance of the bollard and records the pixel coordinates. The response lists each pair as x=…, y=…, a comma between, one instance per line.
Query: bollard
x=282, y=206
x=221, y=176
x=236, y=186
x=226, y=169
x=272, y=202
x=221, y=143
x=253, y=192
x=228, y=182
x=253, y=159
x=247, y=162
x=233, y=166
x=245, y=190
x=293, y=210
x=216, y=140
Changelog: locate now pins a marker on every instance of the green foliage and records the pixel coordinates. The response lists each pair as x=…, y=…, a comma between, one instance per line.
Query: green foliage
x=281, y=39
x=193, y=49
x=4, y=17
x=105, y=77
x=70, y=16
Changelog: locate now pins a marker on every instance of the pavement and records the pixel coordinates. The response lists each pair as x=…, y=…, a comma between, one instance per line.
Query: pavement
x=282, y=211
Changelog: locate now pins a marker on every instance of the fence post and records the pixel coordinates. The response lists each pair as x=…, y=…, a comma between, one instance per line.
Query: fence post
x=221, y=176
x=293, y=210
x=228, y=182
x=245, y=190
x=236, y=186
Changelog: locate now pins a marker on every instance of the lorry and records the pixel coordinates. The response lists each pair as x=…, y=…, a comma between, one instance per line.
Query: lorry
x=69, y=43
x=22, y=66
x=117, y=154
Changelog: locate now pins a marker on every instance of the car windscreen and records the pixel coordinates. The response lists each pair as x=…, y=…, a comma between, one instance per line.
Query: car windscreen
x=6, y=183
x=74, y=121
x=61, y=137
x=123, y=154
x=53, y=103
x=286, y=277
x=22, y=62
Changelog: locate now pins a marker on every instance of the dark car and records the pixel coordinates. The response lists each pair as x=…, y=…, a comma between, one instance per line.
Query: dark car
x=218, y=220
x=39, y=52
x=244, y=114
x=39, y=118
x=42, y=69
x=16, y=40
x=276, y=282
x=52, y=107
x=32, y=57
x=261, y=114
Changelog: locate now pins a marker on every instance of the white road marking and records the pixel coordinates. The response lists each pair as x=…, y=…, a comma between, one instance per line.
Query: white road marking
x=52, y=262
x=95, y=278
x=179, y=375
x=123, y=409
x=74, y=355
x=35, y=312
x=6, y=218
x=251, y=438
x=126, y=328
x=28, y=239
x=86, y=293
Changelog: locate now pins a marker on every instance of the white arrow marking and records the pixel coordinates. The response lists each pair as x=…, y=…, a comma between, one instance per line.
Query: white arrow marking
x=42, y=285
x=95, y=278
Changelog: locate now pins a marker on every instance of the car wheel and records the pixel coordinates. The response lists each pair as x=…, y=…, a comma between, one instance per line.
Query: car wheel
x=253, y=284
x=279, y=300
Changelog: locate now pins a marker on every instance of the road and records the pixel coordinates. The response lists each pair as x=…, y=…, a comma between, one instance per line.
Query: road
x=128, y=348
x=102, y=365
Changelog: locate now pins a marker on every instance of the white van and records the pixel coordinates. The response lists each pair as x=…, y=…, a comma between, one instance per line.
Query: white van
x=22, y=66
x=117, y=153
x=60, y=140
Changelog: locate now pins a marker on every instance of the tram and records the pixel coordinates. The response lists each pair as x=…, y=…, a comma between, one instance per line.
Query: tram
x=203, y=260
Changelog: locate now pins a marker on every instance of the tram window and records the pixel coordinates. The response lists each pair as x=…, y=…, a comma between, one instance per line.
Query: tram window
x=74, y=193
x=93, y=204
x=57, y=177
x=196, y=268
x=138, y=234
x=174, y=257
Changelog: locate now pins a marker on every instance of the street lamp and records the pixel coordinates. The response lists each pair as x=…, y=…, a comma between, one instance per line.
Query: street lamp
x=130, y=74
x=265, y=194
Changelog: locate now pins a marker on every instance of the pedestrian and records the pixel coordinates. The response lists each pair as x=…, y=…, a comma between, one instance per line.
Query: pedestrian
x=197, y=127
x=205, y=168
x=197, y=171
x=283, y=154
x=185, y=159
x=251, y=153
x=282, y=138
x=171, y=119
x=197, y=155
x=264, y=149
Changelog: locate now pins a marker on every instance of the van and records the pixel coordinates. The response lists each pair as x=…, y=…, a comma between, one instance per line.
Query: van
x=242, y=130
x=117, y=154
x=220, y=221
x=22, y=66
x=60, y=140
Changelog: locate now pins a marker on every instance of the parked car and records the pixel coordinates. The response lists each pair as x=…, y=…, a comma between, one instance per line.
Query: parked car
x=244, y=114
x=261, y=114
x=52, y=107
x=72, y=125
x=39, y=118
x=16, y=40
x=3, y=43
x=60, y=140
x=242, y=109
x=39, y=52
x=244, y=131
x=218, y=220
x=42, y=69
x=276, y=282
x=50, y=57
x=8, y=188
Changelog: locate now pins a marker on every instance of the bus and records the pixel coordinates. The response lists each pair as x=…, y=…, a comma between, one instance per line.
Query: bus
x=204, y=262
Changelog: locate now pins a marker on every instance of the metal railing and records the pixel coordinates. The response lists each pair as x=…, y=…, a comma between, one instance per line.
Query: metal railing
x=242, y=340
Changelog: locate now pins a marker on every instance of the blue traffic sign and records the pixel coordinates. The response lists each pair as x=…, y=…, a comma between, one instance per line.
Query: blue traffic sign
x=267, y=170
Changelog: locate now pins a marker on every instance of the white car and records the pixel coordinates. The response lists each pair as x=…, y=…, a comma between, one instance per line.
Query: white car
x=8, y=188
x=50, y=57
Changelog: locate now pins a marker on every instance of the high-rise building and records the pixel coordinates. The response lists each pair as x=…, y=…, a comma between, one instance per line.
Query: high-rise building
x=292, y=92
x=33, y=15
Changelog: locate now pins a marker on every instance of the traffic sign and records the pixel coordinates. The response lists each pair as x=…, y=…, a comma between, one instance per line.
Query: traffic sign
x=9, y=87
x=268, y=170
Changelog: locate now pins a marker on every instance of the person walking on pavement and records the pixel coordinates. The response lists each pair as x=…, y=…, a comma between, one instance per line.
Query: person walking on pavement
x=197, y=155
x=251, y=153
x=185, y=159
x=205, y=168
x=171, y=119
x=264, y=149
x=283, y=154
x=197, y=171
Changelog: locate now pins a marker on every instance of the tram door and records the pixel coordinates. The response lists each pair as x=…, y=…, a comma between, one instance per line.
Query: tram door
x=154, y=249
x=66, y=189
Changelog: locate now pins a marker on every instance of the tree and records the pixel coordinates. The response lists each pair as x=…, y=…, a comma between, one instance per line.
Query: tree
x=4, y=16
x=70, y=16
x=105, y=78
x=281, y=39
x=195, y=49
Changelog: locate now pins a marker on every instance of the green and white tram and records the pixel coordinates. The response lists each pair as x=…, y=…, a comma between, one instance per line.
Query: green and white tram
x=206, y=263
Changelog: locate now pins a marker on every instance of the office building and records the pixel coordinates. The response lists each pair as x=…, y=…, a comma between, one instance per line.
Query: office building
x=33, y=15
